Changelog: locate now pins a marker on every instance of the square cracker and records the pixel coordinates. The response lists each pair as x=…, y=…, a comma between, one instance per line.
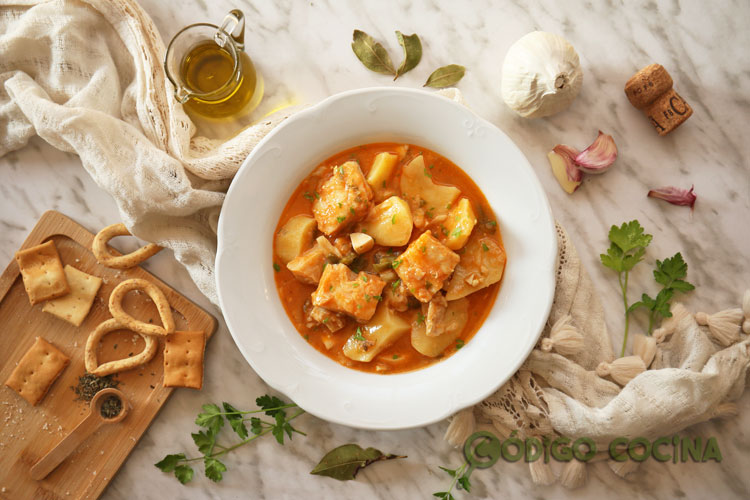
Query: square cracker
x=42, y=272
x=37, y=370
x=183, y=359
x=75, y=306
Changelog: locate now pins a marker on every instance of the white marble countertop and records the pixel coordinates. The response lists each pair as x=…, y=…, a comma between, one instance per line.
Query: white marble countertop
x=303, y=51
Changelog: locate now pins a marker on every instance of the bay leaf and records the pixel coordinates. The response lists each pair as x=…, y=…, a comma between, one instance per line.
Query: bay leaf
x=412, y=52
x=445, y=76
x=344, y=462
x=372, y=54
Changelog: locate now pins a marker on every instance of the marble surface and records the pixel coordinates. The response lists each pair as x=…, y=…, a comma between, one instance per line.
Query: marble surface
x=302, y=50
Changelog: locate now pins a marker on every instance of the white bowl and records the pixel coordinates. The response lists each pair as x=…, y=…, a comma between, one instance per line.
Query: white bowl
x=245, y=276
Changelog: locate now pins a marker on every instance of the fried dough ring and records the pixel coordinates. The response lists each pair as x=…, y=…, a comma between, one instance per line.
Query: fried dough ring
x=90, y=358
x=162, y=305
x=132, y=259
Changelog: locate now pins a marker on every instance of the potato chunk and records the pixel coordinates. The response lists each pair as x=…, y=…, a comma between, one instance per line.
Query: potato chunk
x=308, y=267
x=345, y=198
x=380, y=332
x=380, y=172
x=389, y=223
x=452, y=324
x=425, y=265
x=421, y=192
x=482, y=264
x=340, y=290
x=294, y=237
x=459, y=224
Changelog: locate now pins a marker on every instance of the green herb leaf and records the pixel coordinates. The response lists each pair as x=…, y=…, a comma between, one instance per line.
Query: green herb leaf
x=372, y=54
x=309, y=196
x=236, y=420
x=205, y=441
x=445, y=76
x=452, y=472
x=396, y=284
x=344, y=462
x=412, y=52
x=256, y=425
x=265, y=402
x=358, y=335
x=671, y=272
x=464, y=483
x=629, y=236
x=276, y=267
x=214, y=469
x=184, y=473
x=445, y=495
x=169, y=463
x=459, y=344
x=210, y=418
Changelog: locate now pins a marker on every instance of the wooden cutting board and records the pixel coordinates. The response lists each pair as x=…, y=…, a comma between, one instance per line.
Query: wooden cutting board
x=28, y=432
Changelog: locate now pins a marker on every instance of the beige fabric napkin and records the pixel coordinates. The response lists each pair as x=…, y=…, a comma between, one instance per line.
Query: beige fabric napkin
x=692, y=379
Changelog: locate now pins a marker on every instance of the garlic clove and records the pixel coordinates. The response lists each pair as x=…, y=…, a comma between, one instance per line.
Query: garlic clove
x=597, y=158
x=675, y=196
x=564, y=169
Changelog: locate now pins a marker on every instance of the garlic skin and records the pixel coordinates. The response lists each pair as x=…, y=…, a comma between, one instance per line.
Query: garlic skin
x=675, y=196
x=597, y=158
x=541, y=75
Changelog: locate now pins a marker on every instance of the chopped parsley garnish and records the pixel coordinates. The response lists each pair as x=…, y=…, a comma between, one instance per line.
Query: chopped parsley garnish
x=325, y=320
x=395, y=356
x=377, y=297
x=396, y=263
x=341, y=218
x=395, y=284
x=364, y=278
x=358, y=335
x=393, y=219
x=317, y=196
x=448, y=206
x=485, y=247
x=456, y=233
x=459, y=344
x=420, y=318
x=427, y=173
x=276, y=267
x=351, y=210
x=355, y=285
x=341, y=204
x=423, y=249
x=341, y=170
x=367, y=297
x=309, y=196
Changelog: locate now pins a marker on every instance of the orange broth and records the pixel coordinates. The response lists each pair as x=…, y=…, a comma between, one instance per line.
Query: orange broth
x=400, y=356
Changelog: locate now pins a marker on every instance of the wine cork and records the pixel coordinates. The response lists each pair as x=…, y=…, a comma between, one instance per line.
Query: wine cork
x=650, y=90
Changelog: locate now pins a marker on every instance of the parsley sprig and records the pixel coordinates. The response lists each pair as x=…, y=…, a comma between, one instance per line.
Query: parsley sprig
x=212, y=419
x=460, y=479
x=627, y=248
x=670, y=274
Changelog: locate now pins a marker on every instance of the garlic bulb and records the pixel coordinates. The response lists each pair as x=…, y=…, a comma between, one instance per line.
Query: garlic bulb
x=541, y=75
